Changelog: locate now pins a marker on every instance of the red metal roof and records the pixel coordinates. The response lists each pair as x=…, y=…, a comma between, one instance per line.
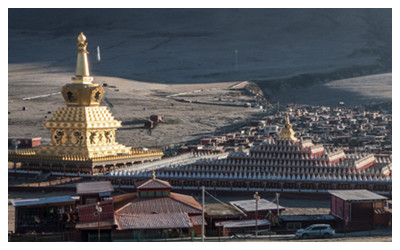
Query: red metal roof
x=187, y=199
x=123, y=199
x=152, y=221
x=94, y=187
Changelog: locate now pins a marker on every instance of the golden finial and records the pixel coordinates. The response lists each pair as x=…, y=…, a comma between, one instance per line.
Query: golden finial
x=153, y=175
x=81, y=38
x=82, y=64
x=82, y=43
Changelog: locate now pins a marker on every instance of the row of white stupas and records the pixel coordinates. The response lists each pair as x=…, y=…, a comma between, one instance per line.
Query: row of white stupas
x=262, y=176
x=284, y=159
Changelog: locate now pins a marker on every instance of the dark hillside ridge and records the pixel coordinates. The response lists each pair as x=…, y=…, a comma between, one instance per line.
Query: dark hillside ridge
x=303, y=46
x=275, y=86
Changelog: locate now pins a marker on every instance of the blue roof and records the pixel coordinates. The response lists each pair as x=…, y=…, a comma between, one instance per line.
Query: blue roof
x=244, y=223
x=42, y=201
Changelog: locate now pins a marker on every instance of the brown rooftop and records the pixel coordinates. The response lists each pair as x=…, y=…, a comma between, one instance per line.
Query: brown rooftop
x=152, y=221
x=176, y=203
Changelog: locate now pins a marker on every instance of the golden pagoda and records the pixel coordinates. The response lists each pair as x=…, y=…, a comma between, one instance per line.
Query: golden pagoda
x=84, y=131
x=287, y=133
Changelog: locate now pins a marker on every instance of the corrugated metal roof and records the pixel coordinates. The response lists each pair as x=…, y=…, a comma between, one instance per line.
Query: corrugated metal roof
x=94, y=187
x=250, y=205
x=152, y=221
x=42, y=201
x=244, y=223
x=357, y=195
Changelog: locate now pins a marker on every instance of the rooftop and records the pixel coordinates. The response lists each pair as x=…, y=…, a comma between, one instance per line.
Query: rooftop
x=42, y=201
x=222, y=210
x=94, y=187
x=243, y=223
x=250, y=205
x=176, y=203
x=357, y=195
x=154, y=184
x=306, y=217
x=153, y=221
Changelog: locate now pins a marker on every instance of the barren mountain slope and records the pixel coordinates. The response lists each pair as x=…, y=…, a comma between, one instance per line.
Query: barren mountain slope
x=198, y=45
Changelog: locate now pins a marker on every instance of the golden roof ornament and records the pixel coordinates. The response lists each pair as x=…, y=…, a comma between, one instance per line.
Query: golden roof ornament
x=153, y=175
x=81, y=38
x=287, y=133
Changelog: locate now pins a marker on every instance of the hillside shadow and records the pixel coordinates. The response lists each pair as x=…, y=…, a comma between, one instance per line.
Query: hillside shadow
x=204, y=45
x=279, y=49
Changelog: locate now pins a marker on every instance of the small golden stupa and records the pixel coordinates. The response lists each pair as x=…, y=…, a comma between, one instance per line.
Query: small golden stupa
x=287, y=133
x=83, y=128
x=83, y=131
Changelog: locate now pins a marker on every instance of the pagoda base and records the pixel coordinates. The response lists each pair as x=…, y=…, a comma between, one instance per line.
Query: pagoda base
x=30, y=161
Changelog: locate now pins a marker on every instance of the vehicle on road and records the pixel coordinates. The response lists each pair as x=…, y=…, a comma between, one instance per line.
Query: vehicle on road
x=316, y=231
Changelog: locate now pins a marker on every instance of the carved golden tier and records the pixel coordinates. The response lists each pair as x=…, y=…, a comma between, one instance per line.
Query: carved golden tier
x=83, y=131
x=82, y=94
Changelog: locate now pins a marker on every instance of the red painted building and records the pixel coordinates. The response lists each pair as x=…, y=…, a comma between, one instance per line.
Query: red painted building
x=91, y=221
x=156, y=212
x=358, y=210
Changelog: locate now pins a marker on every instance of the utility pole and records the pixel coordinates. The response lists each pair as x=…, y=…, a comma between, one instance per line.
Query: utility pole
x=98, y=208
x=257, y=197
x=277, y=204
x=202, y=213
x=236, y=59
